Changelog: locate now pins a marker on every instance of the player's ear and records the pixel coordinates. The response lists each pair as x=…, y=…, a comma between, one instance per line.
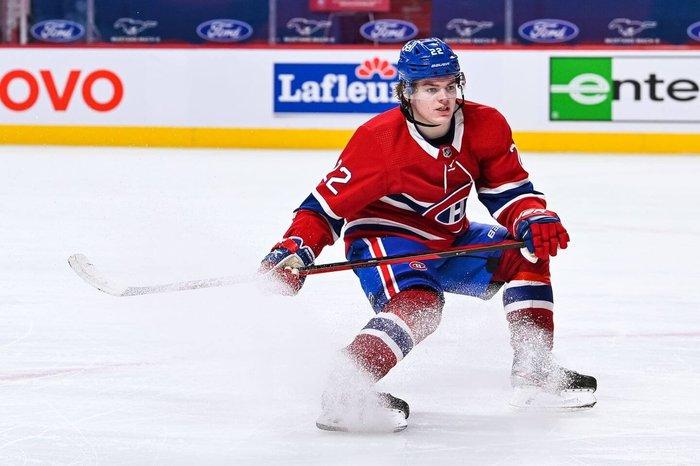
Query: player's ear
x=403, y=93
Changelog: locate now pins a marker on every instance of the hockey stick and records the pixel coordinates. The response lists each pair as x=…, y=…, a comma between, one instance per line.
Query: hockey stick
x=461, y=251
x=85, y=270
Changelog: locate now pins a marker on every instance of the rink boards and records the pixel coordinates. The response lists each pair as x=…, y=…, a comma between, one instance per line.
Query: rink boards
x=607, y=100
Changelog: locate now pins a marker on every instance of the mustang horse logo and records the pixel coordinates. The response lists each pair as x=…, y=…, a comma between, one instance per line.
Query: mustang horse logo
x=467, y=28
x=133, y=27
x=306, y=27
x=629, y=27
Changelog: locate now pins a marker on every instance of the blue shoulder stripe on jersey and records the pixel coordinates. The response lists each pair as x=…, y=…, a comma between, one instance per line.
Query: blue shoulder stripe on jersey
x=494, y=202
x=405, y=200
x=528, y=293
x=311, y=203
x=394, y=331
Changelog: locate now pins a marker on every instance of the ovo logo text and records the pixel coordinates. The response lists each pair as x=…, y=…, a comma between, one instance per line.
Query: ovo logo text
x=61, y=98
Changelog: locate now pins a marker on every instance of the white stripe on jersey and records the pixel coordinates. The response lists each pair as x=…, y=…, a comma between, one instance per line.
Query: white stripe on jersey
x=385, y=222
x=394, y=285
x=404, y=206
x=515, y=199
x=459, y=130
x=420, y=203
x=396, y=203
x=504, y=187
x=465, y=171
x=326, y=208
x=378, y=268
x=434, y=152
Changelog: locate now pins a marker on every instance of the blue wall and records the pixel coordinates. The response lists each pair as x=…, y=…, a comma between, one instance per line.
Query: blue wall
x=476, y=22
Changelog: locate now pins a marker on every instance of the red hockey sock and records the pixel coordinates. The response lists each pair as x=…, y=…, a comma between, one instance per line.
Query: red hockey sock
x=531, y=329
x=528, y=301
x=405, y=321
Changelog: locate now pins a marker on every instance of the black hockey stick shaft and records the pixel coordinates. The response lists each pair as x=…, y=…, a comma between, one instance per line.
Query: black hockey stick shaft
x=401, y=258
x=87, y=271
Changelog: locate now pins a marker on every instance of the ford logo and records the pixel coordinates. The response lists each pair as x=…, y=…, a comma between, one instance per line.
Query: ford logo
x=225, y=30
x=694, y=31
x=57, y=30
x=389, y=30
x=548, y=31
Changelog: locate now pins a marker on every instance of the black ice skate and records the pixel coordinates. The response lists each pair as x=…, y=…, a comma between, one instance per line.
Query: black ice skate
x=375, y=412
x=546, y=385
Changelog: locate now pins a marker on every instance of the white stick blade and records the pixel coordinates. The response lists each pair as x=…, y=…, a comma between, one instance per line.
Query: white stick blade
x=85, y=270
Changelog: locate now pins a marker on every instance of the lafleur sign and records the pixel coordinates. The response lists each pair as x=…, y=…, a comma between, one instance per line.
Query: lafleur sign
x=335, y=88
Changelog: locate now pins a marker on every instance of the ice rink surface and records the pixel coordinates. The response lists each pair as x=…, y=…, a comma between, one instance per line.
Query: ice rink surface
x=233, y=376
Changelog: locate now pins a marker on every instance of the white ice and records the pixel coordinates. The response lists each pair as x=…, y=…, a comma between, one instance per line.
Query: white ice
x=232, y=376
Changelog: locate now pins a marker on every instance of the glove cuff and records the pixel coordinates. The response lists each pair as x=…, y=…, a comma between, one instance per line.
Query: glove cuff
x=295, y=245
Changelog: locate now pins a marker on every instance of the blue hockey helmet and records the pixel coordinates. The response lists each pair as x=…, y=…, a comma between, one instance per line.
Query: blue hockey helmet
x=427, y=58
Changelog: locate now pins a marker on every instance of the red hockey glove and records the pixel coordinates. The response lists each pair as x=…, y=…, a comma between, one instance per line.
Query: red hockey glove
x=542, y=232
x=283, y=262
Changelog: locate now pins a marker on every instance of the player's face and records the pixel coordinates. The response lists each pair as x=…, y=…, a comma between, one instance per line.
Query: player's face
x=434, y=100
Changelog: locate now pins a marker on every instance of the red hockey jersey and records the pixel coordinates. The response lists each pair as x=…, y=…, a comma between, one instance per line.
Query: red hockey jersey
x=390, y=181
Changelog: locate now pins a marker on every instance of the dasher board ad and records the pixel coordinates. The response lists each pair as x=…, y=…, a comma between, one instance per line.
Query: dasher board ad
x=628, y=88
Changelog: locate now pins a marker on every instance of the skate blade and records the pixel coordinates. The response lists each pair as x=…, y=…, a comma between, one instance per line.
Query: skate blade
x=530, y=398
x=390, y=421
x=332, y=428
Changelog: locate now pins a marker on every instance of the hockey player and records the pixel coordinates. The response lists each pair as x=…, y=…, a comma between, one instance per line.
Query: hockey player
x=401, y=186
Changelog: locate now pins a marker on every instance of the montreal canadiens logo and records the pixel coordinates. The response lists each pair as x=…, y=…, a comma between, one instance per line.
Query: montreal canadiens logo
x=452, y=210
x=694, y=31
x=548, y=31
x=415, y=265
x=57, y=30
x=225, y=30
x=389, y=30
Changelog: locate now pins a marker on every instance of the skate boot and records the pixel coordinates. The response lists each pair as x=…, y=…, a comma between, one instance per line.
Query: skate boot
x=544, y=384
x=372, y=412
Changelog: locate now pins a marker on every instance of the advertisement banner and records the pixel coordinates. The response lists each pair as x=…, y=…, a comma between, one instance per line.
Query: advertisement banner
x=156, y=21
x=349, y=5
x=330, y=90
x=366, y=87
x=623, y=22
x=625, y=88
x=469, y=21
x=296, y=24
x=57, y=23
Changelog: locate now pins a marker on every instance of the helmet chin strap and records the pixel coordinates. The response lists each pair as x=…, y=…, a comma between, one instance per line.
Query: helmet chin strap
x=408, y=113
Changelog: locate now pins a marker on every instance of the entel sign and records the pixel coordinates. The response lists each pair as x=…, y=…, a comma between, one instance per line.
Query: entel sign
x=60, y=98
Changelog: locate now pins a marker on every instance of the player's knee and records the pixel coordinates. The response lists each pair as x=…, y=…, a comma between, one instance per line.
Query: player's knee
x=419, y=308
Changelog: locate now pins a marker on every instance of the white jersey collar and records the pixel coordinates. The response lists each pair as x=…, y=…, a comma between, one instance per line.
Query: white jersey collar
x=434, y=152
